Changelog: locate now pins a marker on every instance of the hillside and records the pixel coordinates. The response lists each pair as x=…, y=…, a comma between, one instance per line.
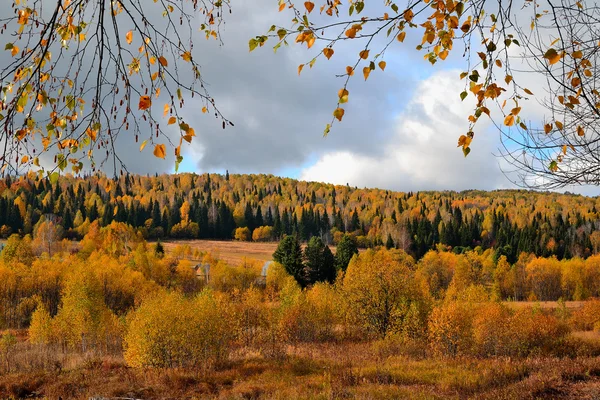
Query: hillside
x=212, y=206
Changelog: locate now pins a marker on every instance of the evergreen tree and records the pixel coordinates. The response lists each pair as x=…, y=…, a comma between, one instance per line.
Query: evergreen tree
x=346, y=249
x=319, y=262
x=389, y=244
x=289, y=254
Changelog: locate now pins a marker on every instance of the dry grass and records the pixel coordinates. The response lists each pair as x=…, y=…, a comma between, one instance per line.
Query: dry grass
x=317, y=371
x=232, y=252
x=547, y=305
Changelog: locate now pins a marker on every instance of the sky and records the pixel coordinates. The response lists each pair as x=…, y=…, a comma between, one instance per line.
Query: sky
x=399, y=131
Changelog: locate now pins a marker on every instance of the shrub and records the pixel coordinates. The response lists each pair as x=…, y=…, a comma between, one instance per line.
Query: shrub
x=169, y=330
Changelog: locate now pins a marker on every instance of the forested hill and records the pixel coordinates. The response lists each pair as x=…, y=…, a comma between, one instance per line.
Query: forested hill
x=221, y=207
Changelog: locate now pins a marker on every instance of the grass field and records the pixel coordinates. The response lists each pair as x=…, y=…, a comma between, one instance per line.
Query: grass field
x=232, y=252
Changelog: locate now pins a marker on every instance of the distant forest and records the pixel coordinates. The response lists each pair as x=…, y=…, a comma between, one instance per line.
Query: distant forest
x=265, y=208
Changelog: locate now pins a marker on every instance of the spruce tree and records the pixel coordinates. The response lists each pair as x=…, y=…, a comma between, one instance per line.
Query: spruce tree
x=346, y=249
x=319, y=262
x=289, y=254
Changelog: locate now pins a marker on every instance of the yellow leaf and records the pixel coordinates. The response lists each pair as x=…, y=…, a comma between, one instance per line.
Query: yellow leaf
x=187, y=56
x=154, y=76
x=129, y=37
x=509, y=120
x=160, y=151
x=382, y=65
x=342, y=92
x=14, y=51
x=552, y=56
x=401, y=36
x=163, y=61
x=351, y=33
x=204, y=110
x=364, y=54
x=338, y=113
x=92, y=133
x=145, y=103
x=559, y=125
x=172, y=120
x=144, y=143
x=328, y=52
x=309, y=6
x=166, y=110
x=24, y=159
x=366, y=72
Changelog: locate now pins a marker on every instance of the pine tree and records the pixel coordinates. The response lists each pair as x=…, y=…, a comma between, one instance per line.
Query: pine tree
x=289, y=254
x=319, y=262
x=346, y=249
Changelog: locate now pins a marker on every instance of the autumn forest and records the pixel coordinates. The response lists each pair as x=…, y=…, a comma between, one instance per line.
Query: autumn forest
x=105, y=289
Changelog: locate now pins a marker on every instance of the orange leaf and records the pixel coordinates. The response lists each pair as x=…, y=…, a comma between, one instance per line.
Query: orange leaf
x=172, y=120
x=160, y=151
x=187, y=56
x=163, y=61
x=364, y=54
x=339, y=113
x=366, y=72
x=509, y=120
x=129, y=37
x=145, y=103
x=300, y=68
x=580, y=131
x=328, y=52
x=382, y=65
x=309, y=6
x=166, y=110
x=349, y=70
x=401, y=36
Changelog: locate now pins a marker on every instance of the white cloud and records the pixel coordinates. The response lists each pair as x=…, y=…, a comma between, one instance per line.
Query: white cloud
x=421, y=153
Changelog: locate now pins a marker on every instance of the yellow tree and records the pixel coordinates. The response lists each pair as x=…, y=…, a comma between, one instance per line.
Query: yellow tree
x=55, y=99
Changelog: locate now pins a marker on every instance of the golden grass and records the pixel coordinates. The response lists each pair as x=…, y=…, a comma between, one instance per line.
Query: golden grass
x=548, y=305
x=317, y=371
x=232, y=252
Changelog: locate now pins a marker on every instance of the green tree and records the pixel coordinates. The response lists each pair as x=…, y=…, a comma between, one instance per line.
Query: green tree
x=289, y=254
x=319, y=263
x=346, y=249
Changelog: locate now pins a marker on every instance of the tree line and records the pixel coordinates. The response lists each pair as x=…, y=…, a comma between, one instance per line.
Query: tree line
x=267, y=208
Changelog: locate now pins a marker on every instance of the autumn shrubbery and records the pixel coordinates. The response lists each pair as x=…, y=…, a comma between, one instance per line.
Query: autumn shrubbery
x=125, y=300
x=169, y=330
x=491, y=329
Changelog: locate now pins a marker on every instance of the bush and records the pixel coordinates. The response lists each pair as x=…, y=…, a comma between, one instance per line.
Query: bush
x=380, y=293
x=169, y=330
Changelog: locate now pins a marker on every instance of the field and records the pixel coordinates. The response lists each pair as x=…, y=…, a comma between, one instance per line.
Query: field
x=232, y=252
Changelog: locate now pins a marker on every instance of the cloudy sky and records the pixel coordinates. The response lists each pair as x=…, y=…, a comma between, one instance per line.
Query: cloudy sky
x=399, y=132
